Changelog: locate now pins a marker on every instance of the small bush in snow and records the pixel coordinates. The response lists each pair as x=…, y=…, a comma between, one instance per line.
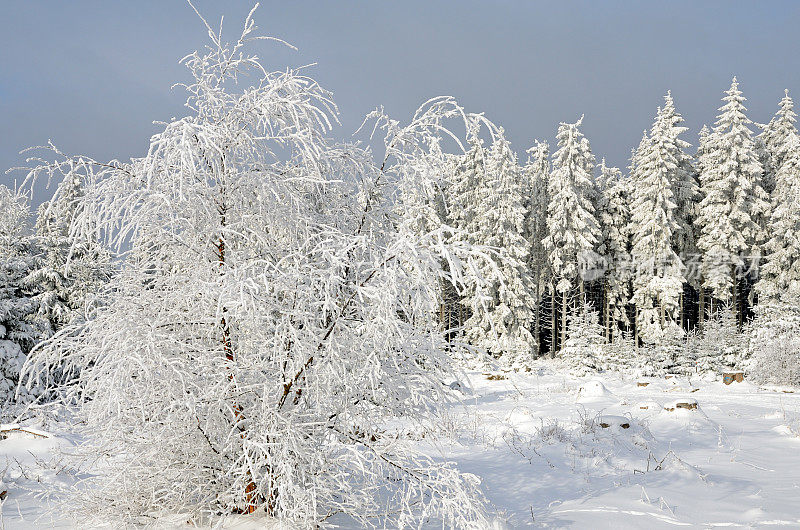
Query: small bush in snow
x=584, y=342
x=774, y=343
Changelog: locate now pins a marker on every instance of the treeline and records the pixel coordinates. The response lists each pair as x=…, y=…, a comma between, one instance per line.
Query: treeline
x=652, y=251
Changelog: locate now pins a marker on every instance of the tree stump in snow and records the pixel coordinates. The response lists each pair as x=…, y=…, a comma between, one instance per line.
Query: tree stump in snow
x=730, y=377
x=685, y=403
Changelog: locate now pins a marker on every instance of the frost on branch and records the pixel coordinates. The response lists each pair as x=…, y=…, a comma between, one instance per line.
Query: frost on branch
x=267, y=321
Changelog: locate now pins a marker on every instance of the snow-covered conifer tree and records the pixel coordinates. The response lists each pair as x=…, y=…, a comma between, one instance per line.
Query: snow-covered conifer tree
x=733, y=202
x=503, y=303
x=535, y=175
x=774, y=139
x=18, y=305
x=780, y=273
x=583, y=347
x=658, y=278
x=265, y=326
x=614, y=216
x=721, y=344
x=72, y=271
x=573, y=230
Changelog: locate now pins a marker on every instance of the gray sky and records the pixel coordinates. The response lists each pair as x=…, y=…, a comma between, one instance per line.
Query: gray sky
x=93, y=75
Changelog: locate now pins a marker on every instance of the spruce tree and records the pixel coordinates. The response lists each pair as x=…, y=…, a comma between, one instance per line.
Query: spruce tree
x=774, y=140
x=780, y=274
x=734, y=203
x=535, y=175
x=503, y=304
x=19, y=331
x=74, y=267
x=658, y=280
x=573, y=230
x=686, y=191
x=614, y=216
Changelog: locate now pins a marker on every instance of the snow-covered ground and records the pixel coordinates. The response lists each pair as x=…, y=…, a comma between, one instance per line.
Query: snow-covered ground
x=603, y=452
x=558, y=451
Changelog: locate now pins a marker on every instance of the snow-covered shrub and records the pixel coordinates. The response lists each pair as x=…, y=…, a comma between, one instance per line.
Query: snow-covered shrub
x=621, y=354
x=269, y=320
x=720, y=346
x=774, y=342
x=583, y=347
x=669, y=350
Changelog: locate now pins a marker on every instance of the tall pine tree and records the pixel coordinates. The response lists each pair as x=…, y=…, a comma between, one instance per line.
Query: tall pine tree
x=614, y=216
x=503, y=304
x=658, y=279
x=733, y=204
x=774, y=140
x=573, y=230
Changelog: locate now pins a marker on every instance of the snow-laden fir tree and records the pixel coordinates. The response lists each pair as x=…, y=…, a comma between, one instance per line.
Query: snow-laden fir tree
x=703, y=163
x=463, y=200
x=502, y=308
x=780, y=272
x=685, y=187
x=686, y=191
x=658, y=276
x=19, y=331
x=269, y=323
x=614, y=216
x=573, y=230
x=72, y=271
x=422, y=209
x=733, y=202
x=535, y=175
x=721, y=345
x=466, y=190
x=774, y=141
x=583, y=349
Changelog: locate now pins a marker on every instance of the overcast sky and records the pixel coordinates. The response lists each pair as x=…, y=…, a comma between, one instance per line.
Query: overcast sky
x=93, y=75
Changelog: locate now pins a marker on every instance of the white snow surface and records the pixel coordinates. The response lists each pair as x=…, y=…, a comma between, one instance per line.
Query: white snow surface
x=545, y=460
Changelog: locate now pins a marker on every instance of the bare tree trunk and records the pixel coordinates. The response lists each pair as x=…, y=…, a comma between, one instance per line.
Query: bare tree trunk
x=607, y=312
x=537, y=314
x=563, y=318
x=735, y=297
x=701, y=317
x=553, y=324
x=250, y=491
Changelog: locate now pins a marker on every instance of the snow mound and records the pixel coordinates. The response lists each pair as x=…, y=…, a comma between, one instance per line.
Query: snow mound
x=594, y=389
x=648, y=405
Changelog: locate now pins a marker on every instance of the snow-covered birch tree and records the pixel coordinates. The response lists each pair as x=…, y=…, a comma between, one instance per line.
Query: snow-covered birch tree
x=267, y=320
